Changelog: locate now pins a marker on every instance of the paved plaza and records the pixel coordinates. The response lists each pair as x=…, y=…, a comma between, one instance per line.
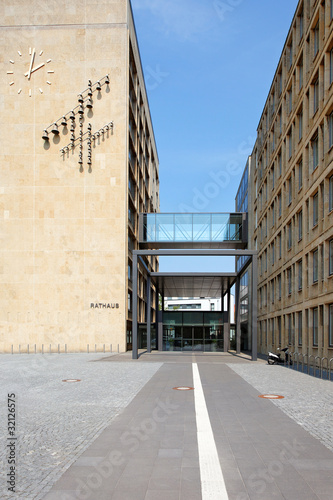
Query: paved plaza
x=122, y=432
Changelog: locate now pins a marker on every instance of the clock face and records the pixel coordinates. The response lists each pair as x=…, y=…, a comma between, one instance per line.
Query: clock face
x=30, y=71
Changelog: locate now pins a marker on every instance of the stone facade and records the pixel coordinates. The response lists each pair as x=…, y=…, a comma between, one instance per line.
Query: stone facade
x=67, y=228
x=292, y=191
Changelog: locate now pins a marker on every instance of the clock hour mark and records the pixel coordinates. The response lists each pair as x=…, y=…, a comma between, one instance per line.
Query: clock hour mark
x=41, y=52
x=51, y=71
x=11, y=61
x=19, y=91
x=30, y=52
x=49, y=83
x=49, y=60
x=10, y=72
x=11, y=83
x=19, y=53
x=41, y=91
x=29, y=92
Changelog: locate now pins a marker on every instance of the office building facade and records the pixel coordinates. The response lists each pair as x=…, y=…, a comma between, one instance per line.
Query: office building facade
x=78, y=164
x=291, y=185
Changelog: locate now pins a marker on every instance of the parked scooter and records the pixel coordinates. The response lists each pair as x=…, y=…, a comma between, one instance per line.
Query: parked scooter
x=274, y=359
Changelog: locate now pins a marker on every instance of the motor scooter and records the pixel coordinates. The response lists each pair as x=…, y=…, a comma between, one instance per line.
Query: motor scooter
x=274, y=359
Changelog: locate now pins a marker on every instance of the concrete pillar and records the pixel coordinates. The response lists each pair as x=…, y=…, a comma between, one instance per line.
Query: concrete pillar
x=135, y=308
x=148, y=313
x=254, y=306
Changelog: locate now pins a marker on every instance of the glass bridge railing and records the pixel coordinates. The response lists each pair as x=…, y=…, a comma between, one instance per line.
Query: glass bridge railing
x=193, y=228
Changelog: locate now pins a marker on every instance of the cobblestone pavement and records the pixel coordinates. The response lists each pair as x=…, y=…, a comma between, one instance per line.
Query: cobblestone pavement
x=307, y=400
x=55, y=420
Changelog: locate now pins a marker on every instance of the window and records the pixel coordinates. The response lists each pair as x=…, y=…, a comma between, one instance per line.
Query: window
x=331, y=9
x=280, y=164
x=300, y=275
x=300, y=225
x=330, y=130
x=273, y=178
x=290, y=142
x=315, y=96
x=279, y=286
x=279, y=329
x=315, y=266
x=300, y=336
x=289, y=280
x=273, y=333
x=331, y=194
x=301, y=24
x=316, y=39
x=290, y=190
x=300, y=73
x=290, y=100
x=129, y=302
x=300, y=175
x=315, y=209
x=290, y=236
x=289, y=330
x=314, y=145
x=300, y=126
x=331, y=66
x=290, y=54
x=272, y=291
x=273, y=214
x=315, y=325
x=330, y=327
x=280, y=204
x=280, y=83
x=280, y=245
x=330, y=263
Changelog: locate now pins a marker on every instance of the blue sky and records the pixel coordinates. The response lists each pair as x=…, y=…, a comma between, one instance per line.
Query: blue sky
x=208, y=66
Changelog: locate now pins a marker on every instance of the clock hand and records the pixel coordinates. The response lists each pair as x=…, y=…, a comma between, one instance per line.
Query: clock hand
x=31, y=63
x=35, y=69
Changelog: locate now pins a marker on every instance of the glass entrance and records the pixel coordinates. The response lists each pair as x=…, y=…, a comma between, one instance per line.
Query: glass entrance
x=193, y=331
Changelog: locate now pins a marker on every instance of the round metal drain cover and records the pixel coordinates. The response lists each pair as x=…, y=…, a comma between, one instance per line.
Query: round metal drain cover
x=183, y=388
x=271, y=396
x=72, y=380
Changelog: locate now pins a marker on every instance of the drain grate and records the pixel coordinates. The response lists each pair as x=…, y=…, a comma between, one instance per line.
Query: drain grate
x=271, y=396
x=183, y=388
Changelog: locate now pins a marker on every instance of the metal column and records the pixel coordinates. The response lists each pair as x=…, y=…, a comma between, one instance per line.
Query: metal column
x=148, y=313
x=238, y=323
x=254, y=306
x=135, y=308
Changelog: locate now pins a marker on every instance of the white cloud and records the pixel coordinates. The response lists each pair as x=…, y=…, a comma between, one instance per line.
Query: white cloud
x=185, y=19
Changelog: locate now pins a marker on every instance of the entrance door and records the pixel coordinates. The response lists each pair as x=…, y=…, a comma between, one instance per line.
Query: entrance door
x=193, y=338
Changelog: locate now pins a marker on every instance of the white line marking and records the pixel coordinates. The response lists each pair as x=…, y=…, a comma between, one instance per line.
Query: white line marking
x=212, y=481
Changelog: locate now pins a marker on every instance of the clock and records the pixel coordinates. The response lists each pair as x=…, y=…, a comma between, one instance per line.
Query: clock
x=29, y=71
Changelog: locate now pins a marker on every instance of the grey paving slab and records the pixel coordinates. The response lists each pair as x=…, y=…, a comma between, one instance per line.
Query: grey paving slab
x=148, y=449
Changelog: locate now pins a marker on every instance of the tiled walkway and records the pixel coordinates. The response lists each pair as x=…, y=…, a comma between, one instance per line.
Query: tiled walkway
x=150, y=450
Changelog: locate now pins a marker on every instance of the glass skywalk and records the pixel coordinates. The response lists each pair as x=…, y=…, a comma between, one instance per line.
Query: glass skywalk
x=193, y=229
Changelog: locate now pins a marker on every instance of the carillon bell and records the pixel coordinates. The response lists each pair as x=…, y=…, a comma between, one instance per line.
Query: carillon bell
x=89, y=103
x=80, y=98
x=64, y=121
x=98, y=86
x=72, y=115
x=107, y=81
x=72, y=137
x=55, y=130
x=81, y=110
x=45, y=135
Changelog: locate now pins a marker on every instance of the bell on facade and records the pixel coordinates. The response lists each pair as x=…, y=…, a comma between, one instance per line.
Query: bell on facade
x=80, y=99
x=98, y=86
x=64, y=121
x=45, y=135
x=55, y=130
x=89, y=103
x=72, y=137
x=107, y=81
x=72, y=115
x=81, y=110
x=97, y=134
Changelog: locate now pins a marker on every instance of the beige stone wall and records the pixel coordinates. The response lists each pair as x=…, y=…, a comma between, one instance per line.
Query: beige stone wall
x=284, y=182
x=63, y=232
